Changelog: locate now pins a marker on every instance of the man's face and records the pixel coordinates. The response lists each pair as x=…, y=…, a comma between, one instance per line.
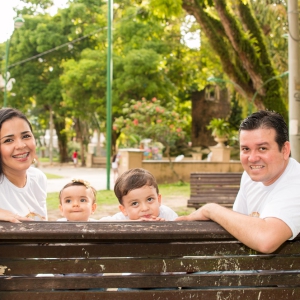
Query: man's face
x=260, y=155
x=143, y=202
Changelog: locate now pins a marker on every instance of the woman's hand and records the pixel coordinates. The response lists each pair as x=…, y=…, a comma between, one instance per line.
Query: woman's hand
x=8, y=216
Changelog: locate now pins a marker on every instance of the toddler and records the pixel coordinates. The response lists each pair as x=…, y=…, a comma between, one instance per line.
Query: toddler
x=139, y=198
x=77, y=201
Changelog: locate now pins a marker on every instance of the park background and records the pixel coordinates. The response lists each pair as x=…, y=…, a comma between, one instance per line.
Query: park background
x=184, y=73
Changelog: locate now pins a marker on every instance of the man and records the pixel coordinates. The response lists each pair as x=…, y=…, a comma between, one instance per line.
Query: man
x=266, y=211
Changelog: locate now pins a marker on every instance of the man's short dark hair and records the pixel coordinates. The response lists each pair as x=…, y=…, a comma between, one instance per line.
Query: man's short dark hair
x=133, y=179
x=268, y=119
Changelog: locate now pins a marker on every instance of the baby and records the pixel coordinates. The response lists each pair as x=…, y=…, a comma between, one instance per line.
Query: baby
x=77, y=201
x=139, y=198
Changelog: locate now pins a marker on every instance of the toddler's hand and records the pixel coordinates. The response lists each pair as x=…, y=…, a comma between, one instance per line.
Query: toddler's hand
x=152, y=218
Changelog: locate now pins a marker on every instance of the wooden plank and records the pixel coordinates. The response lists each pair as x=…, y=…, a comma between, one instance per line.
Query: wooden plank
x=128, y=250
x=217, y=190
x=220, y=188
x=202, y=248
x=212, y=294
x=131, y=250
x=149, y=265
x=47, y=232
x=207, y=280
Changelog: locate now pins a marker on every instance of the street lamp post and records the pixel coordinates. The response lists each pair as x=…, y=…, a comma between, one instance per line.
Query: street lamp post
x=109, y=91
x=18, y=22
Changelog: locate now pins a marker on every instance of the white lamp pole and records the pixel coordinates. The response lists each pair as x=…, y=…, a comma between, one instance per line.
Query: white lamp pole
x=18, y=22
x=294, y=78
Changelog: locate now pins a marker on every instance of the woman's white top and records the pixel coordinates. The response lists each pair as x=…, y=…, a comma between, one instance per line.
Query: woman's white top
x=28, y=201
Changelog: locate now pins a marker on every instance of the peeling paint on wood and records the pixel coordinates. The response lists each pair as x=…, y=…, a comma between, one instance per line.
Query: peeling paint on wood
x=2, y=269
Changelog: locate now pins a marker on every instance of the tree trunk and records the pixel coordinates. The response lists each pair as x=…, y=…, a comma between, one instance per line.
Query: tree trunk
x=243, y=54
x=202, y=112
x=60, y=125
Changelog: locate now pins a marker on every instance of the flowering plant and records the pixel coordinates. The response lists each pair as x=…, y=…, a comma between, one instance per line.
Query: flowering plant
x=152, y=120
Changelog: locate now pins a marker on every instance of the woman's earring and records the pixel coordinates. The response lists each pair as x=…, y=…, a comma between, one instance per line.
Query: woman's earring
x=34, y=161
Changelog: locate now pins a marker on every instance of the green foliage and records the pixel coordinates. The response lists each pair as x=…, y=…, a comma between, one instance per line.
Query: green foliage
x=149, y=119
x=236, y=35
x=166, y=8
x=39, y=87
x=220, y=127
x=84, y=81
x=235, y=117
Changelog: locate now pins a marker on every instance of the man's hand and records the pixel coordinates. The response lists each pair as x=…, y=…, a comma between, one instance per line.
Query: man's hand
x=199, y=214
x=8, y=216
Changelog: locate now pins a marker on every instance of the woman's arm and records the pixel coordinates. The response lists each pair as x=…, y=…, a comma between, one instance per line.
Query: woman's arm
x=8, y=216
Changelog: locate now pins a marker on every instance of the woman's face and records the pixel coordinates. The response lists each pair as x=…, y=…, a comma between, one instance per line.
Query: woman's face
x=17, y=145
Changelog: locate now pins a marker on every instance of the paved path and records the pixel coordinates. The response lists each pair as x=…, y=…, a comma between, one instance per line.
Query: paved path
x=95, y=176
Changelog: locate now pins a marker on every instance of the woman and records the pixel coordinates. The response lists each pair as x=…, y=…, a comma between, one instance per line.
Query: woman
x=22, y=188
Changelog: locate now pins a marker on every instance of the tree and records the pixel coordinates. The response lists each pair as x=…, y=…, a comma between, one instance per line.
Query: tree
x=38, y=79
x=237, y=38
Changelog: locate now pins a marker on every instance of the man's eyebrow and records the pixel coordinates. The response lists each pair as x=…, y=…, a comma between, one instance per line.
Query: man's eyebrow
x=258, y=145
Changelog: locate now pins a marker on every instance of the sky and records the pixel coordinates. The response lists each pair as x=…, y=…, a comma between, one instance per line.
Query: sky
x=7, y=16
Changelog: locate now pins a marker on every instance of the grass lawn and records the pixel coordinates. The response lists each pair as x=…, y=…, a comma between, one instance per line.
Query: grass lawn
x=52, y=176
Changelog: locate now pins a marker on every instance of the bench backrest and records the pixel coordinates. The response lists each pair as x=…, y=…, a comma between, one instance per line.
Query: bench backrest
x=148, y=249
x=220, y=188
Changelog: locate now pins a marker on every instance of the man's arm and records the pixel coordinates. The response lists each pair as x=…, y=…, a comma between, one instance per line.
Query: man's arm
x=263, y=235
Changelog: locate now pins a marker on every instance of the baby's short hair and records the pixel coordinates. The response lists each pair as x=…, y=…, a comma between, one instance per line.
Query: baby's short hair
x=133, y=179
x=79, y=182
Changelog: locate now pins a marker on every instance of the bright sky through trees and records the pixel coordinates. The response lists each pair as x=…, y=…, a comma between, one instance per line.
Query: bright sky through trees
x=7, y=16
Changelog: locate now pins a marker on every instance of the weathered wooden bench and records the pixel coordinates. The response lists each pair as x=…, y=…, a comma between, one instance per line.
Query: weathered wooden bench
x=220, y=188
x=98, y=161
x=147, y=248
